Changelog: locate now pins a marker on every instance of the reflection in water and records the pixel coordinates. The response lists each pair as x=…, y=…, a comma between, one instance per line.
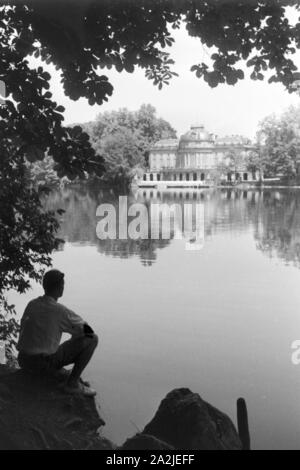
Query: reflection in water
x=272, y=216
x=278, y=229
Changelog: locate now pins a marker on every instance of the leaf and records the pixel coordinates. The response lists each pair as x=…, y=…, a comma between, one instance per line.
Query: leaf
x=34, y=153
x=129, y=67
x=60, y=109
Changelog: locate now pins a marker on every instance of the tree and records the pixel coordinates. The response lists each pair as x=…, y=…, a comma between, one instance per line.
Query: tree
x=123, y=156
x=81, y=37
x=26, y=237
x=42, y=173
x=278, y=148
x=123, y=139
x=152, y=128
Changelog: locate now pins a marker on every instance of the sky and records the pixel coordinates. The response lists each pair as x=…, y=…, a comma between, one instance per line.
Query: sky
x=188, y=100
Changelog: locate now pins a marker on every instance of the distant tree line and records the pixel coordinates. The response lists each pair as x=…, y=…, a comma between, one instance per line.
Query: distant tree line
x=122, y=138
x=277, y=152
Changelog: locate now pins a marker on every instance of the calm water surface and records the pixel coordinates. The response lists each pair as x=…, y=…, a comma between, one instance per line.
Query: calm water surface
x=219, y=319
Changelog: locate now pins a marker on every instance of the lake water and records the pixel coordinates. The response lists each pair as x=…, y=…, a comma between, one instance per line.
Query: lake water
x=216, y=313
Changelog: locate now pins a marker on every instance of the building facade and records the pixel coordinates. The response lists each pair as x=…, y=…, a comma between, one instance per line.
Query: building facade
x=200, y=156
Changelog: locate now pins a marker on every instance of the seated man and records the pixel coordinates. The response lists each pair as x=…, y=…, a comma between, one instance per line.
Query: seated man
x=42, y=325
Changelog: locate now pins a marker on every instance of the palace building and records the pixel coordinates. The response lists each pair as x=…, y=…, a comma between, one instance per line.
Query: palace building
x=199, y=157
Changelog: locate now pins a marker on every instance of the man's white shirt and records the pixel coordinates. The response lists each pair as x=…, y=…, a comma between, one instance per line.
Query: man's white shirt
x=43, y=323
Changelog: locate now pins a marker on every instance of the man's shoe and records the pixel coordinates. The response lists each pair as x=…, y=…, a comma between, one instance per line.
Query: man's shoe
x=63, y=375
x=88, y=391
x=79, y=389
x=84, y=382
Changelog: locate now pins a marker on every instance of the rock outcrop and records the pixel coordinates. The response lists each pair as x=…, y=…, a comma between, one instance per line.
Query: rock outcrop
x=36, y=414
x=185, y=421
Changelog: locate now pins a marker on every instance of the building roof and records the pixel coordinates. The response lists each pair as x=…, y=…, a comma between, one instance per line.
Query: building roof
x=232, y=140
x=197, y=133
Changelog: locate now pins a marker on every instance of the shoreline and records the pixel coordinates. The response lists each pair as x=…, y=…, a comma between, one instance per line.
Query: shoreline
x=242, y=187
x=35, y=414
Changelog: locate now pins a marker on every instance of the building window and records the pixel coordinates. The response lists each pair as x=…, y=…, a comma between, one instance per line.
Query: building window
x=228, y=176
x=245, y=176
x=151, y=177
x=202, y=176
x=180, y=176
x=144, y=177
x=174, y=177
x=187, y=177
x=158, y=177
x=195, y=176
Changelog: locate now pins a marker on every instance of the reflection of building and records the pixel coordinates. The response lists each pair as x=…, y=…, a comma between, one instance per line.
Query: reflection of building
x=199, y=157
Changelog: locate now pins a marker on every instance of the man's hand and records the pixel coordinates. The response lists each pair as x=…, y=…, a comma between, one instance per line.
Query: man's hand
x=87, y=330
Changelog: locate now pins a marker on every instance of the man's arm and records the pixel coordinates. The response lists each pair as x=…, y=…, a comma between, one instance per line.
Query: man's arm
x=74, y=324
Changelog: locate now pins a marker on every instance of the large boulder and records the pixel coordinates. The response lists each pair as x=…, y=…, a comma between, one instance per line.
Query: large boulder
x=185, y=421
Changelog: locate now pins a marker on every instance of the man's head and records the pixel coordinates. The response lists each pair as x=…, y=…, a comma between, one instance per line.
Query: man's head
x=53, y=283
